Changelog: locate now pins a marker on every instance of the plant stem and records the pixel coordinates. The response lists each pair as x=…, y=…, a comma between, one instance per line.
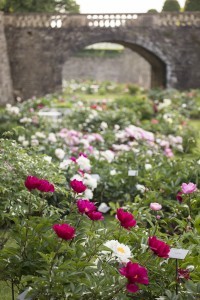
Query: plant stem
x=12, y=289
x=176, y=276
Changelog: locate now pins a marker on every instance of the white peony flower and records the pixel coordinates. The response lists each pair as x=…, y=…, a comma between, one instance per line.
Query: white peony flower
x=103, y=125
x=34, y=142
x=103, y=208
x=60, y=153
x=84, y=163
x=40, y=135
x=77, y=177
x=48, y=158
x=113, y=172
x=148, y=167
x=65, y=164
x=88, y=194
x=90, y=181
x=25, y=120
x=52, y=137
x=25, y=143
x=108, y=155
x=140, y=188
x=21, y=138
x=13, y=110
x=121, y=251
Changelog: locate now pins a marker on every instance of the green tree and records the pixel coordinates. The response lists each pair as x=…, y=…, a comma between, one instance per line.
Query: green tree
x=171, y=5
x=192, y=5
x=152, y=11
x=39, y=6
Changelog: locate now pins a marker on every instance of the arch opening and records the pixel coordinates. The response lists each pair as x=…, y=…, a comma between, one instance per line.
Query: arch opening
x=128, y=62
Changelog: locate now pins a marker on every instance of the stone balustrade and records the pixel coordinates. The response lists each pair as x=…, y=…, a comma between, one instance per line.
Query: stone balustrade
x=102, y=20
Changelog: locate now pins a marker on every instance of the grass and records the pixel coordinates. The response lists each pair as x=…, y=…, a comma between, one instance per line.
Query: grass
x=5, y=291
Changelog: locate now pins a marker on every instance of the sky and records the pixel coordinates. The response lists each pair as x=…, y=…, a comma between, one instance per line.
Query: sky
x=121, y=6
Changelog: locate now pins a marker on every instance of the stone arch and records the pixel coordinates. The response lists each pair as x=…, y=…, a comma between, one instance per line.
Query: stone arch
x=161, y=68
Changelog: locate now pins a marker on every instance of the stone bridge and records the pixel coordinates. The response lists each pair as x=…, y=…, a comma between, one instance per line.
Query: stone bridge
x=39, y=44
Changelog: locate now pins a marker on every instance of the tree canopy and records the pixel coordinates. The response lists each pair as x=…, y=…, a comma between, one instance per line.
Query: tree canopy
x=9, y=6
x=171, y=5
x=192, y=5
x=152, y=11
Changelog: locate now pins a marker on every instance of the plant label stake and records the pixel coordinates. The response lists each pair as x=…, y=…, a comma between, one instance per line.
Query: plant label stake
x=177, y=254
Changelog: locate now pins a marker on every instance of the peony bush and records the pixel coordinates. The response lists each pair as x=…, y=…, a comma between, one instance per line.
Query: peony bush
x=95, y=194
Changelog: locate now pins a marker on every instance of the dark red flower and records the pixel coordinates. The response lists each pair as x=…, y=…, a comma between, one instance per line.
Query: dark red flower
x=179, y=197
x=159, y=247
x=183, y=274
x=31, y=182
x=78, y=186
x=95, y=216
x=135, y=274
x=126, y=219
x=64, y=231
x=85, y=206
x=42, y=185
x=45, y=186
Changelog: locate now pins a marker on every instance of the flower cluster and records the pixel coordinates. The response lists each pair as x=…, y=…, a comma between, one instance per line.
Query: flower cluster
x=41, y=185
x=88, y=208
x=135, y=274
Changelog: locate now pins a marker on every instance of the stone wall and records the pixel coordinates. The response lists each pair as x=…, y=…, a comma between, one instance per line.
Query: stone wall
x=5, y=79
x=127, y=67
x=40, y=44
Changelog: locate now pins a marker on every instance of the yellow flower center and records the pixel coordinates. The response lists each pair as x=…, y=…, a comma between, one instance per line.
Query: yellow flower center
x=120, y=249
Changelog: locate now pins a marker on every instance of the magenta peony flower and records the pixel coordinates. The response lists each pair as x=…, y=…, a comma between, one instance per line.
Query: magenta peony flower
x=155, y=206
x=42, y=185
x=135, y=274
x=78, y=186
x=159, y=247
x=188, y=188
x=64, y=231
x=73, y=158
x=31, y=182
x=45, y=186
x=85, y=206
x=179, y=197
x=126, y=219
x=95, y=216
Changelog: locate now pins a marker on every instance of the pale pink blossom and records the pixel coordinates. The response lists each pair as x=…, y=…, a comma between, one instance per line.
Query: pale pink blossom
x=155, y=206
x=188, y=188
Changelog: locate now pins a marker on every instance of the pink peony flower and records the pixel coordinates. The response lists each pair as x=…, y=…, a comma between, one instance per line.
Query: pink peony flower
x=168, y=152
x=159, y=247
x=85, y=206
x=179, y=196
x=42, y=185
x=188, y=188
x=64, y=231
x=78, y=186
x=95, y=215
x=126, y=219
x=155, y=206
x=135, y=274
